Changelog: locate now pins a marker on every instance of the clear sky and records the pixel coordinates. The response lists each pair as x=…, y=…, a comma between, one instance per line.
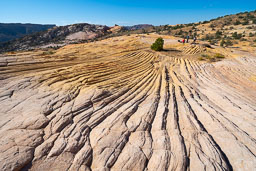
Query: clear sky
x=122, y=12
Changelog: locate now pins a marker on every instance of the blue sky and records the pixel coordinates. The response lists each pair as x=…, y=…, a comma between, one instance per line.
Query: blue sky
x=122, y=12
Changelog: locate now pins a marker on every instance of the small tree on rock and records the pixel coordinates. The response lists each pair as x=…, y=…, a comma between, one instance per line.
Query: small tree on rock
x=158, y=45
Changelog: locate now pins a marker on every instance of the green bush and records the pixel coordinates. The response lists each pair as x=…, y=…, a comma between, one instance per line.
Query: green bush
x=218, y=34
x=222, y=43
x=213, y=41
x=48, y=53
x=219, y=55
x=251, y=34
x=158, y=45
x=237, y=22
x=236, y=36
x=200, y=58
x=205, y=56
x=209, y=37
x=229, y=43
x=246, y=22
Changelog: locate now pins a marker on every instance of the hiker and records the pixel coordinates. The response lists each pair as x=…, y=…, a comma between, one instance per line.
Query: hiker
x=194, y=42
x=183, y=41
x=187, y=38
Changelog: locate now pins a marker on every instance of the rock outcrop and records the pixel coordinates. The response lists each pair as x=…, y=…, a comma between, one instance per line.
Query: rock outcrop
x=57, y=36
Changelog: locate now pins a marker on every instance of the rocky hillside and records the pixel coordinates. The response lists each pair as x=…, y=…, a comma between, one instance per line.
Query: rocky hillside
x=139, y=27
x=225, y=31
x=57, y=36
x=12, y=31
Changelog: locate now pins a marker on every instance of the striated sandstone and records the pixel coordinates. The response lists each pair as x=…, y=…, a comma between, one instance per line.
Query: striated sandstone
x=116, y=105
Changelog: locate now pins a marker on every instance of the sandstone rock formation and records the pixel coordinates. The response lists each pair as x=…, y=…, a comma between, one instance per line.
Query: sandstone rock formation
x=56, y=36
x=120, y=106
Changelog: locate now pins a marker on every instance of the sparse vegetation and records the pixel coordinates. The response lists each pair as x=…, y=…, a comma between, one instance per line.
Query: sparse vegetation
x=236, y=36
x=218, y=34
x=219, y=55
x=50, y=52
x=246, y=22
x=228, y=43
x=158, y=45
x=205, y=56
x=222, y=43
x=237, y=22
x=211, y=58
x=200, y=58
x=213, y=41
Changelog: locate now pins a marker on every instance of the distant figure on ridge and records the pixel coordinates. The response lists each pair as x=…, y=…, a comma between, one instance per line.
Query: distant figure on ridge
x=187, y=38
x=194, y=42
x=183, y=41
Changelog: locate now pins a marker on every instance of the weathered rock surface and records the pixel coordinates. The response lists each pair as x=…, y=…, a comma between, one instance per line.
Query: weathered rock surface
x=56, y=36
x=126, y=110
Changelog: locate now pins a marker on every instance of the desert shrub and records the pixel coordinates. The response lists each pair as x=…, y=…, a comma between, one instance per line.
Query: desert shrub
x=177, y=27
x=236, y=36
x=213, y=41
x=212, y=59
x=205, y=22
x=254, y=41
x=158, y=45
x=249, y=16
x=228, y=43
x=231, y=28
x=243, y=39
x=246, y=22
x=237, y=22
x=222, y=43
x=251, y=34
x=235, y=42
x=205, y=56
x=219, y=55
x=190, y=24
x=180, y=32
x=48, y=53
x=208, y=37
x=254, y=21
x=218, y=34
x=200, y=58
x=212, y=25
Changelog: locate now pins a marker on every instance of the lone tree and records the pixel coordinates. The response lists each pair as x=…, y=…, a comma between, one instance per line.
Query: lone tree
x=158, y=45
